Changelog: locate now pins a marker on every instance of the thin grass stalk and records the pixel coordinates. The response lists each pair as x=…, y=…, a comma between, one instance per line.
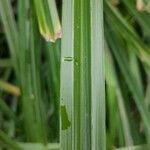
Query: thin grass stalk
x=6, y=110
x=8, y=142
x=36, y=84
x=27, y=102
x=141, y=17
x=10, y=88
x=124, y=119
x=12, y=123
x=111, y=97
x=115, y=43
x=54, y=77
x=140, y=48
x=10, y=29
x=135, y=68
x=32, y=106
x=111, y=76
x=147, y=94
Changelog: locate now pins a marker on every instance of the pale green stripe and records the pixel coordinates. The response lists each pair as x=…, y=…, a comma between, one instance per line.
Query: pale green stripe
x=98, y=81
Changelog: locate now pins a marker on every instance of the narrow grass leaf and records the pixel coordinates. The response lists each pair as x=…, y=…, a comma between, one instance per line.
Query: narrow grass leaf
x=67, y=137
x=53, y=63
x=7, y=87
x=97, y=76
x=48, y=19
x=8, y=21
x=130, y=80
x=6, y=110
x=29, y=58
x=147, y=94
x=83, y=106
x=9, y=143
x=111, y=78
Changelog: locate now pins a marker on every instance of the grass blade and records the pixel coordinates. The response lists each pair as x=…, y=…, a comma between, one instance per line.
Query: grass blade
x=48, y=19
x=130, y=80
x=8, y=21
x=111, y=79
x=124, y=27
x=98, y=84
x=6, y=110
x=67, y=137
x=53, y=70
x=8, y=141
x=10, y=88
x=147, y=94
x=124, y=119
x=80, y=70
x=32, y=105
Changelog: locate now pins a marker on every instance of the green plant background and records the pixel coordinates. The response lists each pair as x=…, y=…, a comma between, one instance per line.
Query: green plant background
x=30, y=72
